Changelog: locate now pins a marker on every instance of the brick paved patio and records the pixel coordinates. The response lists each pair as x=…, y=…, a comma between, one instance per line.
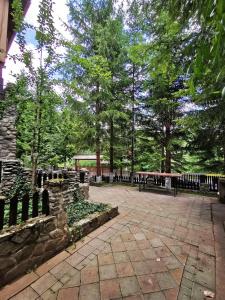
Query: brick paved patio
x=158, y=248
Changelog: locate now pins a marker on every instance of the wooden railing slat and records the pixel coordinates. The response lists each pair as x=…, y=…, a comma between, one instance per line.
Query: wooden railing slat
x=13, y=211
x=25, y=207
x=45, y=203
x=35, y=201
x=2, y=206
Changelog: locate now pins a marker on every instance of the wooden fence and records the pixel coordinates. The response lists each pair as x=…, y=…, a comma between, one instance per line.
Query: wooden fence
x=17, y=210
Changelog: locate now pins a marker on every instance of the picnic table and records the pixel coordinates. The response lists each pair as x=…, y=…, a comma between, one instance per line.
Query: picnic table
x=158, y=181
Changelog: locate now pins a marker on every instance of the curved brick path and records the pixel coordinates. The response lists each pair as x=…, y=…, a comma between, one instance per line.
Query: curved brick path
x=158, y=248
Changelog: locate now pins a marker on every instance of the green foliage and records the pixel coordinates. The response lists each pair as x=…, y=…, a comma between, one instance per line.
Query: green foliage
x=81, y=209
x=20, y=187
x=17, y=14
x=144, y=86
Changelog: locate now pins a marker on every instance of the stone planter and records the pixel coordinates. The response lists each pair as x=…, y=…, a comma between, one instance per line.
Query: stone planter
x=91, y=222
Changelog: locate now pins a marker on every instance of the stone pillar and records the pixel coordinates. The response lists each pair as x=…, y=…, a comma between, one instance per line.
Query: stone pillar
x=8, y=135
x=72, y=178
x=84, y=190
x=11, y=169
x=56, y=196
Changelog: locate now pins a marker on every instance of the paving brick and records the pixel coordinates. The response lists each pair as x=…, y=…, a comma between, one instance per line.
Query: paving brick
x=106, y=249
x=131, y=245
x=155, y=242
x=156, y=266
x=110, y=289
x=148, y=283
x=86, y=250
x=72, y=281
x=117, y=246
x=17, y=286
x=96, y=243
x=76, y=246
x=106, y=235
x=187, y=283
x=63, y=268
x=121, y=257
x=162, y=252
x=107, y=272
x=124, y=269
x=143, y=244
x=43, y=283
x=185, y=292
x=75, y=259
x=135, y=255
x=83, y=264
x=68, y=293
x=139, y=236
x=97, y=231
x=49, y=295
x=117, y=226
x=149, y=253
x=136, y=297
x=134, y=229
x=141, y=268
x=89, y=292
x=171, y=294
x=26, y=294
x=105, y=259
x=172, y=262
x=51, y=263
x=93, y=262
x=56, y=286
x=155, y=296
x=127, y=237
x=89, y=275
x=129, y=286
x=165, y=280
x=177, y=275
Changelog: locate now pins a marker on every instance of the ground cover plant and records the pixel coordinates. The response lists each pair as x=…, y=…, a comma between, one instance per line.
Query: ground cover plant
x=81, y=209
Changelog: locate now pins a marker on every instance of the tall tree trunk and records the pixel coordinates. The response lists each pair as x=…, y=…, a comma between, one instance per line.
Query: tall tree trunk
x=133, y=127
x=111, y=148
x=37, y=125
x=168, y=152
x=163, y=159
x=36, y=142
x=121, y=167
x=97, y=140
x=224, y=159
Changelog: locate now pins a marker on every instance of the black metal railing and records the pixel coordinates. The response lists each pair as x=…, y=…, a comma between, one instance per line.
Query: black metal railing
x=189, y=181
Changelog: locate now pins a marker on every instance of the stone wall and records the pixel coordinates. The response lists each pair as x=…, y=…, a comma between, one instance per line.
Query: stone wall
x=10, y=167
x=11, y=170
x=84, y=189
x=24, y=248
x=8, y=135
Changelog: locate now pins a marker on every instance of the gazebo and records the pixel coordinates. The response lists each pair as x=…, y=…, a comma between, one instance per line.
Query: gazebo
x=90, y=157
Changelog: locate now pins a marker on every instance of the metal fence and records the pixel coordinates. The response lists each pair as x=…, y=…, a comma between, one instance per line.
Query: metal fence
x=189, y=181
